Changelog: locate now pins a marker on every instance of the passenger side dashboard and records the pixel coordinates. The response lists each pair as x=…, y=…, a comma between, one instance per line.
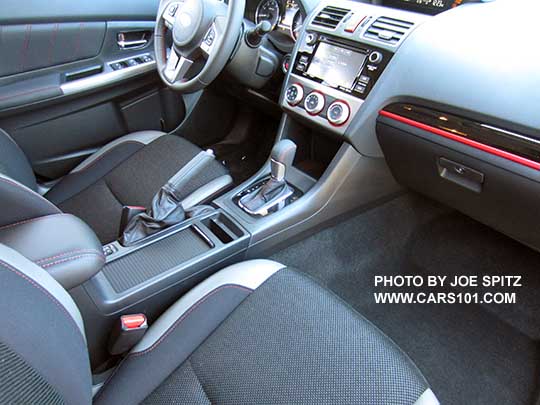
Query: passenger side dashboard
x=477, y=148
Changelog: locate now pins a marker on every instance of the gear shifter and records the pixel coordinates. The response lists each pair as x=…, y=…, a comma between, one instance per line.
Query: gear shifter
x=273, y=194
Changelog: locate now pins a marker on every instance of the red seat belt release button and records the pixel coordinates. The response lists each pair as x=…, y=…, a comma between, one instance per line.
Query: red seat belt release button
x=126, y=333
x=133, y=321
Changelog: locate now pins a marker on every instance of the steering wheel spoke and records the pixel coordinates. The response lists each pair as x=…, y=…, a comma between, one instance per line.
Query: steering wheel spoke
x=177, y=67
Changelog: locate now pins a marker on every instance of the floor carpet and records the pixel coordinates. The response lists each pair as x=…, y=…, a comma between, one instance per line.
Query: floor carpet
x=470, y=354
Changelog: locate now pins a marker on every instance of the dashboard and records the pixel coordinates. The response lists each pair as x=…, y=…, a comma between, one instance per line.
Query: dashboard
x=431, y=7
x=423, y=84
x=285, y=16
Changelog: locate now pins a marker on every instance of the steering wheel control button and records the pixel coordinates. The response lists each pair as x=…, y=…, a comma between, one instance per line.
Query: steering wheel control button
x=294, y=94
x=209, y=40
x=375, y=57
x=172, y=9
x=314, y=103
x=338, y=113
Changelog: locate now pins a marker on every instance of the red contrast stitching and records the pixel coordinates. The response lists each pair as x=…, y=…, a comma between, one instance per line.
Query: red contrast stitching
x=29, y=220
x=78, y=42
x=185, y=315
x=47, y=293
x=173, y=326
x=68, y=259
x=52, y=43
x=26, y=45
x=90, y=251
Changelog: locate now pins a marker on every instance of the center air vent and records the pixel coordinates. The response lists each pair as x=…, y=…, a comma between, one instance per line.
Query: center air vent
x=330, y=17
x=388, y=29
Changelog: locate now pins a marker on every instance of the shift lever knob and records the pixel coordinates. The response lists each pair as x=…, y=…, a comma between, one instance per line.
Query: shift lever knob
x=282, y=158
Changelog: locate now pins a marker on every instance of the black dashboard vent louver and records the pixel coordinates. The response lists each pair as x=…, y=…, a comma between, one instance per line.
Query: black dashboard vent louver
x=330, y=17
x=388, y=29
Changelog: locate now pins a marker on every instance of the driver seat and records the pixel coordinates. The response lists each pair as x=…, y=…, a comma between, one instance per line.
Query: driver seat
x=128, y=171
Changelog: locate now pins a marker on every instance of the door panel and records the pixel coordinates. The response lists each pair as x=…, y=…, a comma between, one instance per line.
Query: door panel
x=35, y=11
x=34, y=46
x=68, y=85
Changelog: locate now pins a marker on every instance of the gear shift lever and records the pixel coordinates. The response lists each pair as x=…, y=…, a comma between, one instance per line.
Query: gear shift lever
x=274, y=193
x=282, y=158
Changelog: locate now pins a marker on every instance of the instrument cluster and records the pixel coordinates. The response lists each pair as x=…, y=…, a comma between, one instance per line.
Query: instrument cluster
x=285, y=16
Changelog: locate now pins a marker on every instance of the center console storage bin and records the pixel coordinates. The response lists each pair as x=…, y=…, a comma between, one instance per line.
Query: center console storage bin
x=149, y=262
x=169, y=259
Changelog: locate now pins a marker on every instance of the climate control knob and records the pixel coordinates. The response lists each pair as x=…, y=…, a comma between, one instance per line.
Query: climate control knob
x=294, y=94
x=314, y=102
x=338, y=113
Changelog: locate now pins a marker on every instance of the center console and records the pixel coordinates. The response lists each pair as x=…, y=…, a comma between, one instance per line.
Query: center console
x=309, y=180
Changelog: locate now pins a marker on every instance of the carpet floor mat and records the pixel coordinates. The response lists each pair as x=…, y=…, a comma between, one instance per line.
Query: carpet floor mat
x=470, y=353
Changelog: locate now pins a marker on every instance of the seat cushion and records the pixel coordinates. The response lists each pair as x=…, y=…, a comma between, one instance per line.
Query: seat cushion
x=126, y=173
x=259, y=333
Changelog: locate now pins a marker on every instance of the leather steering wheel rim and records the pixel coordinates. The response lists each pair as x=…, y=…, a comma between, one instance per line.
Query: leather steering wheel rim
x=229, y=27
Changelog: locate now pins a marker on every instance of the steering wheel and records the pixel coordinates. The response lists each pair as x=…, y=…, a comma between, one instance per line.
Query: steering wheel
x=202, y=31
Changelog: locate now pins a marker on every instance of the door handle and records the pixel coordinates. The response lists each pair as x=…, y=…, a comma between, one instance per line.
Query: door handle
x=136, y=44
x=133, y=40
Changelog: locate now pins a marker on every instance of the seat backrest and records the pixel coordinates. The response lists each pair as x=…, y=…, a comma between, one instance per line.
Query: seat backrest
x=14, y=163
x=43, y=351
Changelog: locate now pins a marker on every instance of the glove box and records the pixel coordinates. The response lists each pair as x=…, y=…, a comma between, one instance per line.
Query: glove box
x=501, y=190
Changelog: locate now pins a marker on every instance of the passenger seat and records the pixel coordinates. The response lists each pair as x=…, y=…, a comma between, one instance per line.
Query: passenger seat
x=254, y=333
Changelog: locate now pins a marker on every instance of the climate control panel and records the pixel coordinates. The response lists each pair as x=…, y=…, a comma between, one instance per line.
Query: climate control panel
x=326, y=106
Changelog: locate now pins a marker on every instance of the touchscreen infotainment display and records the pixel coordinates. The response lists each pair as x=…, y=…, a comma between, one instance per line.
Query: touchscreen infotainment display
x=336, y=66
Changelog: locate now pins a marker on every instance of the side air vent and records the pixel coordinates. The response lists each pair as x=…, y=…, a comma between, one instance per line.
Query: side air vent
x=330, y=16
x=388, y=29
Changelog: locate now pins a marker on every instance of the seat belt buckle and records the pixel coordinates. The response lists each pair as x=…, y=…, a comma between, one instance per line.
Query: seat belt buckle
x=127, y=332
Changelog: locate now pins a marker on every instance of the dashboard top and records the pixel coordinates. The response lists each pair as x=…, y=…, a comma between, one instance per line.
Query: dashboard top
x=431, y=7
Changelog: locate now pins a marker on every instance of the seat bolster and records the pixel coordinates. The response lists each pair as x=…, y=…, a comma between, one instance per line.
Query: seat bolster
x=43, y=328
x=181, y=329
x=250, y=275
x=19, y=203
x=141, y=137
x=36, y=275
x=99, y=164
